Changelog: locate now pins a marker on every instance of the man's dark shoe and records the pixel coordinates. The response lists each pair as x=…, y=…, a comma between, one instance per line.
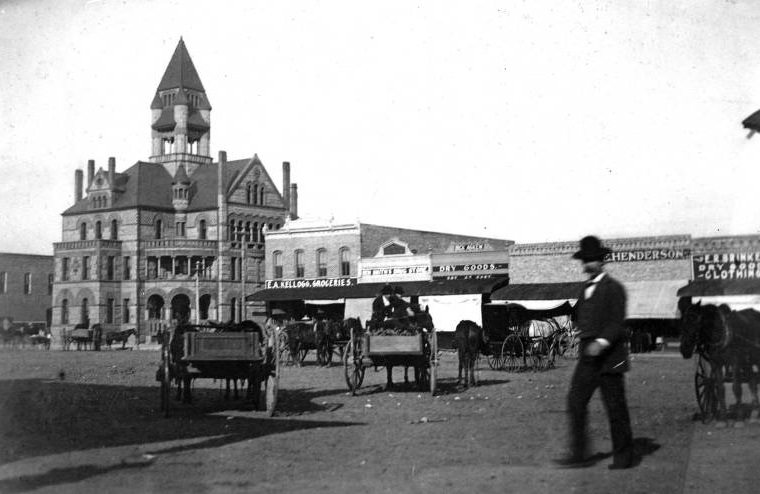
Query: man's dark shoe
x=574, y=462
x=620, y=466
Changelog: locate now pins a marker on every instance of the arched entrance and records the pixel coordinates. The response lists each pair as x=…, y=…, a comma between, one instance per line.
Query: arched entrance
x=155, y=307
x=181, y=308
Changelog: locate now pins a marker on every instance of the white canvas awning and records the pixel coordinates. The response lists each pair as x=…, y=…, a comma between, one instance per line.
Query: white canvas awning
x=653, y=299
x=448, y=310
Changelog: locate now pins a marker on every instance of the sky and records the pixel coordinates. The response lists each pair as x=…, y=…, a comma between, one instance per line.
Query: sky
x=530, y=121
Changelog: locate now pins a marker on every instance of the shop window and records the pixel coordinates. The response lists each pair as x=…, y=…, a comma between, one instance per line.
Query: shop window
x=277, y=262
x=345, y=263
x=321, y=263
x=300, y=269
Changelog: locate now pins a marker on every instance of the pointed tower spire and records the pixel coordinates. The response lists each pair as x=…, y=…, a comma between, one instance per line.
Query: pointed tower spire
x=181, y=114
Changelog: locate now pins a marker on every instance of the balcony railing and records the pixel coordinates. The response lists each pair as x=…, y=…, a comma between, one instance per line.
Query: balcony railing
x=87, y=244
x=179, y=243
x=186, y=157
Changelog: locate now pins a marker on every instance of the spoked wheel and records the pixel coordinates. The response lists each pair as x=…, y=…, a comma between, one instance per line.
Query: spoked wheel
x=512, y=353
x=706, y=387
x=495, y=361
x=352, y=365
x=539, y=353
x=571, y=352
x=166, y=381
x=433, y=361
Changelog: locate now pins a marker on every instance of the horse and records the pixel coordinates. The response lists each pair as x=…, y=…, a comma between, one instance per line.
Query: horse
x=302, y=337
x=729, y=341
x=340, y=332
x=119, y=337
x=468, y=340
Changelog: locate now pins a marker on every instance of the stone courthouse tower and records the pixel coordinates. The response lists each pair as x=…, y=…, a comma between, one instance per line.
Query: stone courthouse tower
x=176, y=237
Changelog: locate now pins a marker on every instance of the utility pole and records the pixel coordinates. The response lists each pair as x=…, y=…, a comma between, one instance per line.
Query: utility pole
x=242, y=273
x=197, y=292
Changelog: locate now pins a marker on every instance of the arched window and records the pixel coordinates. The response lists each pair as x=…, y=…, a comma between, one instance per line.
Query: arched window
x=277, y=263
x=98, y=230
x=202, y=230
x=345, y=262
x=261, y=195
x=114, y=230
x=65, y=311
x=300, y=269
x=84, y=317
x=248, y=198
x=256, y=232
x=231, y=232
x=255, y=193
x=233, y=309
x=247, y=231
x=158, y=229
x=83, y=231
x=321, y=263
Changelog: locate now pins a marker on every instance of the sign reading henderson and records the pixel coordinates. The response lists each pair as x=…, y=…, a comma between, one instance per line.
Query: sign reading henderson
x=310, y=283
x=727, y=266
x=648, y=255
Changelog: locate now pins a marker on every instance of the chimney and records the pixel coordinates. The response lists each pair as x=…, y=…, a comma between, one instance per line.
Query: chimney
x=220, y=173
x=286, y=183
x=294, y=202
x=78, y=177
x=90, y=171
x=111, y=171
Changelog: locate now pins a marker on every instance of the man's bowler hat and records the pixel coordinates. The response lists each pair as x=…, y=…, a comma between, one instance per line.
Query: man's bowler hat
x=591, y=249
x=398, y=290
x=387, y=290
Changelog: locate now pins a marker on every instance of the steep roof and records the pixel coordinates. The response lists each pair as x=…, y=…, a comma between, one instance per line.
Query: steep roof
x=181, y=72
x=149, y=185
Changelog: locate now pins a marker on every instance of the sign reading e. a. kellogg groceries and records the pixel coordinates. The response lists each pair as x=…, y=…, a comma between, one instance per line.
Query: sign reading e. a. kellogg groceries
x=727, y=266
x=310, y=283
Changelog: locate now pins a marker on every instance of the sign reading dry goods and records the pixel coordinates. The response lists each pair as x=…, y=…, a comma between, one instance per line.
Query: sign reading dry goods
x=727, y=266
x=310, y=283
x=648, y=255
x=470, y=268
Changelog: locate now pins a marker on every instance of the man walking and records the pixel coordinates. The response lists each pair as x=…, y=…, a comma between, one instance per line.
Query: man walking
x=603, y=360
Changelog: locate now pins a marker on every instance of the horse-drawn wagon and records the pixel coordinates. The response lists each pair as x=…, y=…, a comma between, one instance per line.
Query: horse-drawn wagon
x=411, y=343
x=225, y=352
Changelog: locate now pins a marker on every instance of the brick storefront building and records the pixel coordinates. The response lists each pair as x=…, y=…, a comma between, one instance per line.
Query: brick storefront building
x=177, y=237
x=26, y=287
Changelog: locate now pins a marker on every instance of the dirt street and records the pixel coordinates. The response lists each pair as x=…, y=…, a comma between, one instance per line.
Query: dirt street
x=88, y=422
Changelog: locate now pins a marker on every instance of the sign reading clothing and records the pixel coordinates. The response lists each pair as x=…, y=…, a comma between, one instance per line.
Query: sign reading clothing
x=310, y=283
x=727, y=266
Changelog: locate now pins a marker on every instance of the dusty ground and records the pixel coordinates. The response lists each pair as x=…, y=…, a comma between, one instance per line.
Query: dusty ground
x=88, y=422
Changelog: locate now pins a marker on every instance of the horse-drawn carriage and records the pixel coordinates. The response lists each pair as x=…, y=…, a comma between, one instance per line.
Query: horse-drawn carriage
x=230, y=352
x=407, y=342
x=727, y=344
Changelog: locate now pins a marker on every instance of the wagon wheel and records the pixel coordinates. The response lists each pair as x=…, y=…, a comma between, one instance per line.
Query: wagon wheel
x=571, y=351
x=166, y=383
x=512, y=353
x=433, y=361
x=495, y=360
x=352, y=365
x=539, y=352
x=273, y=379
x=705, y=386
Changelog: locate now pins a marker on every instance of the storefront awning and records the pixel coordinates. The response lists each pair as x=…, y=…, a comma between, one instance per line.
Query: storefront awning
x=712, y=288
x=653, y=299
x=370, y=290
x=538, y=291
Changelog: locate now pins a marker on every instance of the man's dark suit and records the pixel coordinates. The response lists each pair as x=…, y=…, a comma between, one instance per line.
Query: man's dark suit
x=601, y=316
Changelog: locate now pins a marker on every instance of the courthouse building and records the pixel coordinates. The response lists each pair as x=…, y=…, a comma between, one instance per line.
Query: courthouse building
x=176, y=237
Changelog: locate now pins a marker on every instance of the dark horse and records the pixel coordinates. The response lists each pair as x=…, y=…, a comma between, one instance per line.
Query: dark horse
x=729, y=341
x=305, y=336
x=119, y=337
x=469, y=341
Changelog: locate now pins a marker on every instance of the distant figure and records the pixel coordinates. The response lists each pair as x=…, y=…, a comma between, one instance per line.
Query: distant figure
x=599, y=314
x=382, y=307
